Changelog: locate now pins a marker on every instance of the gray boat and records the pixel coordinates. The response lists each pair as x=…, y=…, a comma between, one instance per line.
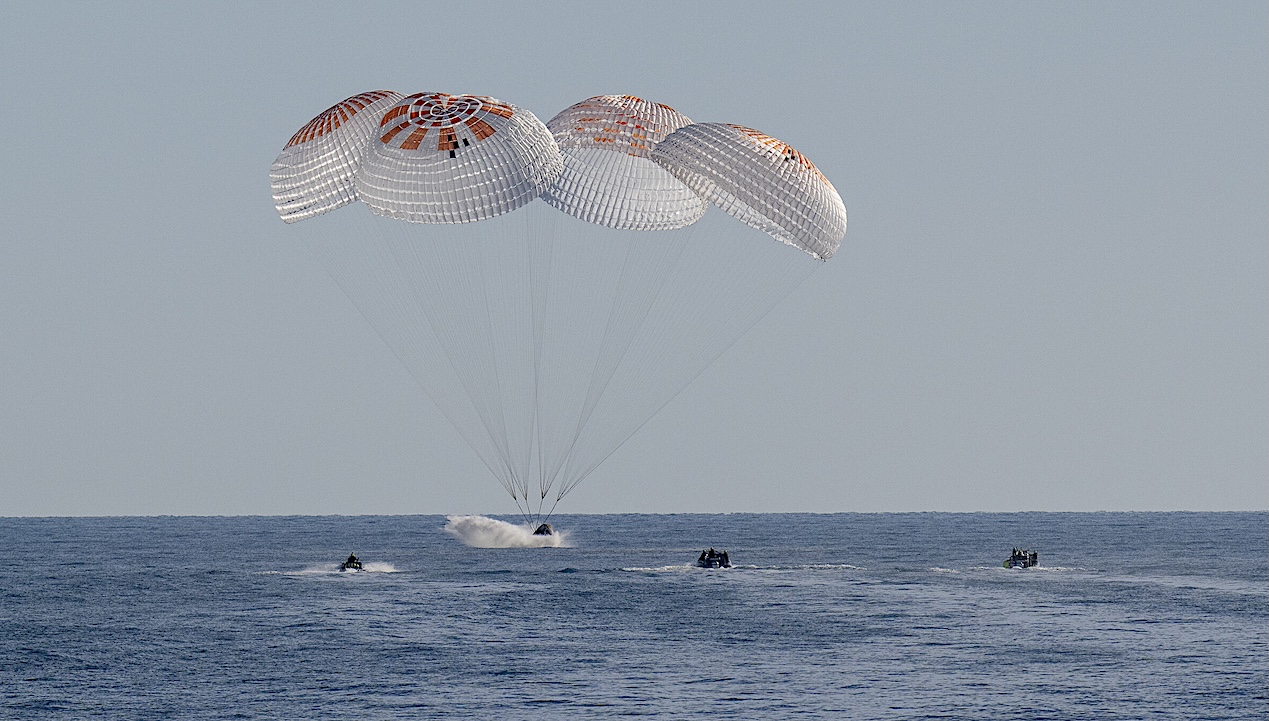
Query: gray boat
x=713, y=559
x=1021, y=558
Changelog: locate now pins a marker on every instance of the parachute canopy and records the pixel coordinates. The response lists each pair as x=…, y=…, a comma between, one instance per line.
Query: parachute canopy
x=314, y=172
x=761, y=181
x=609, y=177
x=456, y=159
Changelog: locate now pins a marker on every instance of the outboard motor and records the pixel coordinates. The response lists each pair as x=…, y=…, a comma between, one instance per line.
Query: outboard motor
x=544, y=530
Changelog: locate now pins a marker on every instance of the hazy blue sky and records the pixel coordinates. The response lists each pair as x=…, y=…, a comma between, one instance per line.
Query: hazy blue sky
x=1054, y=293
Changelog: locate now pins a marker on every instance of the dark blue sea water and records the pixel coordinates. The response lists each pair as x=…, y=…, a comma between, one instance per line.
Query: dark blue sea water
x=859, y=616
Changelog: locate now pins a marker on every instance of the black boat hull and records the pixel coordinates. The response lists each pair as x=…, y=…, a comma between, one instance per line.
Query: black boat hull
x=1022, y=559
x=713, y=559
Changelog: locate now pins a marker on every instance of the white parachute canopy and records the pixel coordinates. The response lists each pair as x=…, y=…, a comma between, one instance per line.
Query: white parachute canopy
x=761, y=181
x=547, y=338
x=609, y=177
x=314, y=173
x=456, y=159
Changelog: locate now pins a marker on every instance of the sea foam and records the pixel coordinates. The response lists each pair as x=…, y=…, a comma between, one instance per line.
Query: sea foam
x=485, y=532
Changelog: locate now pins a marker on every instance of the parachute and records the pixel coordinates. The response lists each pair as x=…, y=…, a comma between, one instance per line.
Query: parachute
x=315, y=172
x=507, y=160
x=759, y=180
x=609, y=177
x=549, y=332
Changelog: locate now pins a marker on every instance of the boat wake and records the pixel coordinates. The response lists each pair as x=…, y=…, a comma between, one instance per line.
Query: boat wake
x=692, y=567
x=485, y=532
x=327, y=569
x=676, y=568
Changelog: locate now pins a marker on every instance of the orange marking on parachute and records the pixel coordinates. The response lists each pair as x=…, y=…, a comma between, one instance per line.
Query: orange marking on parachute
x=500, y=109
x=448, y=140
x=334, y=116
x=388, y=136
x=480, y=128
x=780, y=147
x=416, y=137
x=393, y=114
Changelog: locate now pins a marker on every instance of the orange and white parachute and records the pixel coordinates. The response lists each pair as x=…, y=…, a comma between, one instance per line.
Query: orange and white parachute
x=426, y=158
x=456, y=159
x=609, y=177
x=315, y=172
x=614, y=160
x=761, y=181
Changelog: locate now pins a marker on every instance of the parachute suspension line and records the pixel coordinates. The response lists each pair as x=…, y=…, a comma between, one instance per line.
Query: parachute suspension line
x=584, y=273
x=730, y=298
x=540, y=231
x=474, y=363
x=407, y=251
x=325, y=248
x=493, y=384
x=564, y=489
x=406, y=246
x=531, y=416
x=657, y=256
x=521, y=484
x=575, y=281
x=594, y=371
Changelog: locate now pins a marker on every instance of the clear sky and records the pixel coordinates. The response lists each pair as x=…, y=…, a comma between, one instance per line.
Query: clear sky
x=1053, y=295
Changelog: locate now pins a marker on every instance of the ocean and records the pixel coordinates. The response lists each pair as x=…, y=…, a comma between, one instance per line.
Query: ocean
x=835, y=616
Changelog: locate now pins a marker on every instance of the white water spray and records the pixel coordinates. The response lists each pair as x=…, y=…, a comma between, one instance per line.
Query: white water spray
x=484, y=532
x=326, y=569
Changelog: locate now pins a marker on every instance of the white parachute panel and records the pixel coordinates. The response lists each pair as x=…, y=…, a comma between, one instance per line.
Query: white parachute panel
x=761, y=181
x=608, y=177
x=314, y=172
x=442, y=159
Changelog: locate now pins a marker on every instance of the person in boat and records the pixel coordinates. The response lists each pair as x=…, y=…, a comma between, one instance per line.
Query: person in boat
x=352, y=562
x=704, y=555
x=726, y=561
